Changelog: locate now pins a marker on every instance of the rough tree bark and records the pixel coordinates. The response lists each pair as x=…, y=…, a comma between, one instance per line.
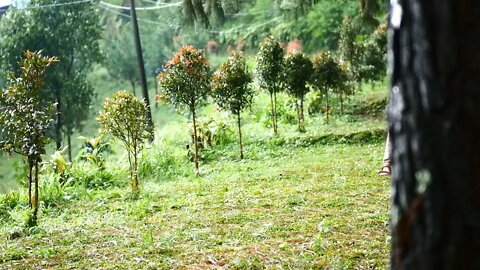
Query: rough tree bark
x=435, y=131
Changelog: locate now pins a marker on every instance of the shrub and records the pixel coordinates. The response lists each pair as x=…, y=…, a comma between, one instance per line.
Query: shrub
x=25, y=119
x=268, y=72
x=186, y=82
x=298, y=72
x=231, y=88
x=125, y=117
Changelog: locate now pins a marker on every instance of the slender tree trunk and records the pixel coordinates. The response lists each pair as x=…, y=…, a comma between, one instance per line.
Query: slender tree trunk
x=299, y=118
x=302, y=115
x=156, y=90
x=240, y=134
x=58, y=124
x=130, y=170
x=275, y=112
x=136, y=182
x=133, y=87
x=328, y=106
x=30, y=168
x=35, y=200
x=341, y=102
x=69, y=141
x=195, y=138
x=435, y=131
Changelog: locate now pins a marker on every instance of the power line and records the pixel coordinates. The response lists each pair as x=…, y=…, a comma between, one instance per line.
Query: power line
x=129, y=17
x=165, y=5
x=52, y=5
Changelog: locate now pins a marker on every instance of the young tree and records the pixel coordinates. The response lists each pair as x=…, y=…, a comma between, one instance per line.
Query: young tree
x=268, y=72
x=298, y=72
x=25, y=118
x=121, y=57
x=350, y=50
x=327, y=75
x=70, y=32
x=231, y=88
x=125, y=117
x=186, y=81
x=374, y=56
x=434, y=127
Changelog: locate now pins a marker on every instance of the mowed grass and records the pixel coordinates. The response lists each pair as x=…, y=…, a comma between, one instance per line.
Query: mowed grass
x=316, y=207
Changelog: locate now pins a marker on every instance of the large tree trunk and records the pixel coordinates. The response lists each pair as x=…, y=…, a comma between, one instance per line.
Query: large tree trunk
x=433, y=114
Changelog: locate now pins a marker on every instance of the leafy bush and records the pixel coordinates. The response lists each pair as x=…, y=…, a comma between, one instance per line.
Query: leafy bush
x=298, y=73
x=8, y=202
x=268, y=72
x=213, y=132
x=94, y=149
x=186, y=82
x=231, y=88
x=328, y=76
x=92, y=177
x=125, y=117
x=26, y=119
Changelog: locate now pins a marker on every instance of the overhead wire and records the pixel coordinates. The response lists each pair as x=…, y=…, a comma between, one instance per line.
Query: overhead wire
x=165, y=5
x=114, y=9
x=50, y=5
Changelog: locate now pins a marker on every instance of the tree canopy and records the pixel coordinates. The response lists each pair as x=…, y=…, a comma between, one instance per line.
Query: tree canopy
x=71, y=33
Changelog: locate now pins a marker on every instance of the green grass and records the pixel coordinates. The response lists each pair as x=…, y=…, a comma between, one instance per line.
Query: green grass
x=320, y=207
x=286, y=207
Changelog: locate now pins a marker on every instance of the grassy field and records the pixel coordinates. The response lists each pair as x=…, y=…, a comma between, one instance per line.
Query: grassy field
x=320, y=207
x=297, y=201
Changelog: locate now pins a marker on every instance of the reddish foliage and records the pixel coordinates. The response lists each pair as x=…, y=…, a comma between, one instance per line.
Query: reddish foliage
x=212, y=47
x=294, y=46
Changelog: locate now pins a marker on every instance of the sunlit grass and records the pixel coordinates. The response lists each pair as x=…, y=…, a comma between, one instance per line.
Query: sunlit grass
x=320, y=207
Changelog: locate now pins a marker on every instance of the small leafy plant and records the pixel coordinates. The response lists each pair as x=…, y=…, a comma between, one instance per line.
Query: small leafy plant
x=186, y=81
x=298, y=72
x=268, y=72
x=231, y=88
x=327, y=75
x=125, y=117
x=25, y=119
